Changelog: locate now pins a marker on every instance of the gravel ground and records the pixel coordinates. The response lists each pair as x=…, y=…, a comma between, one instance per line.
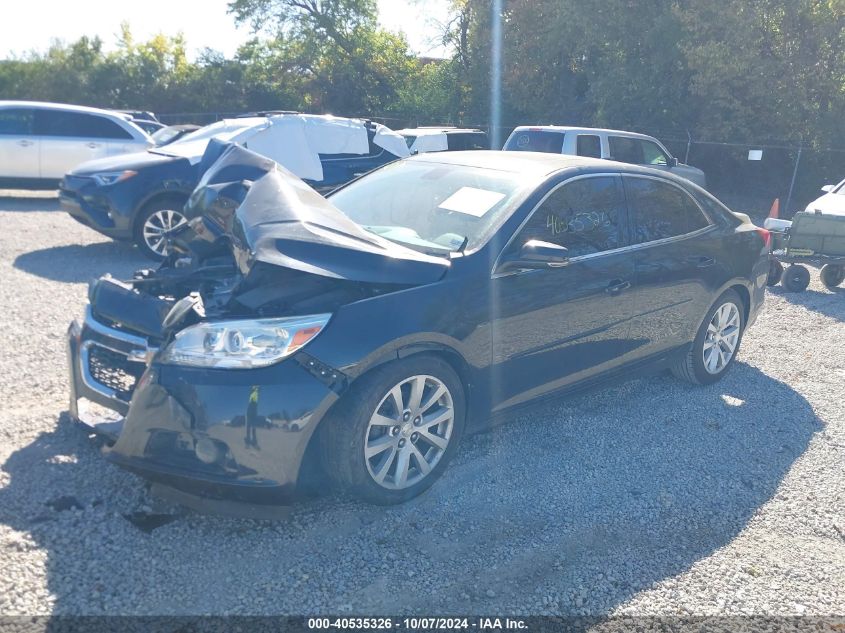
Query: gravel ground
x=652, y=497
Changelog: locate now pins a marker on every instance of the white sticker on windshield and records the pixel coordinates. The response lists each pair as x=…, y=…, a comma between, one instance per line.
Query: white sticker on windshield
x=471, y=201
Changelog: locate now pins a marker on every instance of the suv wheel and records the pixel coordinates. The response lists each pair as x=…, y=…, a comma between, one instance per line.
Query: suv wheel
x=154, y=220
x=716, y=343
x=393, y=434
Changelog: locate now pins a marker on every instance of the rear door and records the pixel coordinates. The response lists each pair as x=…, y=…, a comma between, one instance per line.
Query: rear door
x=556, y=326
x=69, y=138
x=679, y=261
x=18, y=144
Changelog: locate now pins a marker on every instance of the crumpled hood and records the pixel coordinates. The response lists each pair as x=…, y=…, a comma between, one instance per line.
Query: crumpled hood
x=272, y=217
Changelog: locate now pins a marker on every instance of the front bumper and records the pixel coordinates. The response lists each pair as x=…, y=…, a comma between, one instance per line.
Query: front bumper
x=233, y=434
x=86, y=203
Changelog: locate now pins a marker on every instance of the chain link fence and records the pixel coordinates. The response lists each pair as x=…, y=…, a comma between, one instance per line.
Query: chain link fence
x=786, y=170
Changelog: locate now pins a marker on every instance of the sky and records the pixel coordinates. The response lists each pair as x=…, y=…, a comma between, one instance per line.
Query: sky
x=32, y=24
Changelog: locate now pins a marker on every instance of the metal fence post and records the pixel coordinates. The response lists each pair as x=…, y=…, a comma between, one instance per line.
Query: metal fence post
x=689, y=142
x=792, y=183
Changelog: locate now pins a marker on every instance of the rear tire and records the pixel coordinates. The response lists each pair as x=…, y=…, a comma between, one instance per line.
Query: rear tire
x=796, y=278
x=832, y=275
x=154, y=218
x=375, y=450
x=716, y=343
x=775, y=273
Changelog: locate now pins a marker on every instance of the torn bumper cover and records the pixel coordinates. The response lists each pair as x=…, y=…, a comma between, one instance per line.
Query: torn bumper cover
x=218, y=433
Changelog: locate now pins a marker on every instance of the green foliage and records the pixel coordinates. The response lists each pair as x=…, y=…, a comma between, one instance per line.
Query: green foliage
x=732, y=69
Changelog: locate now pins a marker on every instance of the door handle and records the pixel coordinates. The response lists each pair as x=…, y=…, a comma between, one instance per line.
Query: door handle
x=24, y=143
x=702, y=262
x=93, y=145
x=616, y=286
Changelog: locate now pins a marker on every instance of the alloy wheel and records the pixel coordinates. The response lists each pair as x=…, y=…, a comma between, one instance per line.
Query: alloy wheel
x=155, y=227
x=409, y=432
x=722, y=338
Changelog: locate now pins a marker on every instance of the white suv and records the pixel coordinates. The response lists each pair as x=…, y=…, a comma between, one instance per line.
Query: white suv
x=41, y=142
x=625, y=147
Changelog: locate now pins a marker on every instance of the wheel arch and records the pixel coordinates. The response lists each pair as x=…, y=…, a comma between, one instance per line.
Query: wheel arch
x=309, y=466
x=161, y=194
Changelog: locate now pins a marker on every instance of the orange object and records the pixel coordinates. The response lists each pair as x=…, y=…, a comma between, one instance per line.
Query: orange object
x=774, y=212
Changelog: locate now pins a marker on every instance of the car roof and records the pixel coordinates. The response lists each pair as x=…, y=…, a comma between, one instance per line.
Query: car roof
x=588, y=130
x=44, y=105
x=537, y=164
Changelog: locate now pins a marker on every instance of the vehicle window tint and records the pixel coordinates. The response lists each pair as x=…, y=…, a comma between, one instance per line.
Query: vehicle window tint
x=535, y=141
x=588, y=145
x=660, y=210
x=16, y=121
x=584, y=216
x=652, y=154
x=77, y=124
x=477, y=141
x=625, y=150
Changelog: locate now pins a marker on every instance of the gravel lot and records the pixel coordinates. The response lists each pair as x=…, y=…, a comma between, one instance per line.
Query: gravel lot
x=652, y=497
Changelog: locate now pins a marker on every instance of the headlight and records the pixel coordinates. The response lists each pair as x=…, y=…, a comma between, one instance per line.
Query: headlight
x=242, y=344
x=111, y=177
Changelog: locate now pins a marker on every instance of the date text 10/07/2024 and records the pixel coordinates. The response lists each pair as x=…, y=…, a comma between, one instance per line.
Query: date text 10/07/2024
x=417, y=623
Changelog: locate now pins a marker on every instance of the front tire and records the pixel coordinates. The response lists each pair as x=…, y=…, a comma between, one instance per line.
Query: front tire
x=154, y=220
x=716, y=343
x=394, y=433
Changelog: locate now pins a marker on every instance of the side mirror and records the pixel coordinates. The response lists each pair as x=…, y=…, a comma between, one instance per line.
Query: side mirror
x=673, y=161
x=536, y=254
x=828, y=188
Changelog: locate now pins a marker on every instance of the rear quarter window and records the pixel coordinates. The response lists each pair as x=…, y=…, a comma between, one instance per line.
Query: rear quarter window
x=535, y=141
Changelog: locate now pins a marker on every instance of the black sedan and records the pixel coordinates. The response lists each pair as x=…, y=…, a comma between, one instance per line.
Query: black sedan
x=372, y=331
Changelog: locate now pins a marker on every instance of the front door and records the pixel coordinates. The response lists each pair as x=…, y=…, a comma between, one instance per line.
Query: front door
x=553, y=327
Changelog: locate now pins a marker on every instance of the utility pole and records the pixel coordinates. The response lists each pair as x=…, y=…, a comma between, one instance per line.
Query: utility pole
x=496, y=77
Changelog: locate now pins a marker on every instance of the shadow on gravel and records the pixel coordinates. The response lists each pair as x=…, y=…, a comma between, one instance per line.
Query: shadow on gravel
x=830, y=303
x=568, y=509
x=77, y=263
x=30, y=203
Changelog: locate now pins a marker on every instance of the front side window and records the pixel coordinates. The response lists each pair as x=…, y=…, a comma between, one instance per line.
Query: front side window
x=661, y=210
x=584, y=216
x=625, y=150
x=588, y=145
x=535, y=141
x=77, y=125
x=652, y=154
x=16, y=121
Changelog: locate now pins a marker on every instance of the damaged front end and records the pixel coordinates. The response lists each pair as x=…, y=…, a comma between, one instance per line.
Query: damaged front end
x=202, y=364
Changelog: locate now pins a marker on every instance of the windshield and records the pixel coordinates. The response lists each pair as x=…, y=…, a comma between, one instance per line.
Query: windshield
x=224, y=129
x=165, y=134
x=535, y=141
x=432, y=207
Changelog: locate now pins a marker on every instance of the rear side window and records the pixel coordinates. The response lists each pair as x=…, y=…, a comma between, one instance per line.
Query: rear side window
x=661, y=210
x=588, y=145
x=535, y=141
x=16, y=121
x=583, y=215
x=467, y=141
x=78, y=125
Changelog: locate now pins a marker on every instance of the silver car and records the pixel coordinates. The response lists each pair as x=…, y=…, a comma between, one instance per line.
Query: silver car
x=618, y=145
x=41, y=142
